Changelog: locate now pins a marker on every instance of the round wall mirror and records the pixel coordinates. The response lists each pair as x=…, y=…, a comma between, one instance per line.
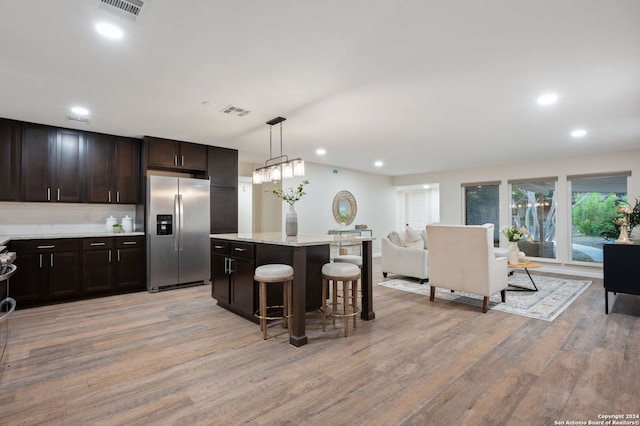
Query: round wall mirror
x=344, y=207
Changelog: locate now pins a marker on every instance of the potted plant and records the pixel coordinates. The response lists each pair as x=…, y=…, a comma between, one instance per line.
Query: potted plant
x=514, y=235
x=290, y=196
x=342, y=220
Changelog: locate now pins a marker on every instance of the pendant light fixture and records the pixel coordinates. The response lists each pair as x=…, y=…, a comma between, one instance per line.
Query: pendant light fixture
x=277, y=168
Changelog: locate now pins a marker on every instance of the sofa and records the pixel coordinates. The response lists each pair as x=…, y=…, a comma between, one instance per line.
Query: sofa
x=462, y=258
x=405, y=253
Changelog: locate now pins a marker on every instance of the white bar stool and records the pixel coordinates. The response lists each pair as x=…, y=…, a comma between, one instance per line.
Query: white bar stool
x=349, y=274
x=268, y=274
x=349, y=258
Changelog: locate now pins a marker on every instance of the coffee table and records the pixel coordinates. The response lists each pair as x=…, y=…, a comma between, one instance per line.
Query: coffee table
x=526, y=265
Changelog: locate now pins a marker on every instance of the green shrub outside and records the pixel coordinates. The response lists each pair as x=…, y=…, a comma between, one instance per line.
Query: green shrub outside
x=595, y=214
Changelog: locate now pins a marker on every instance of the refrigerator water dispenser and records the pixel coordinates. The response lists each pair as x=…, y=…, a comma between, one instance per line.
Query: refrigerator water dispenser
x=164, y=224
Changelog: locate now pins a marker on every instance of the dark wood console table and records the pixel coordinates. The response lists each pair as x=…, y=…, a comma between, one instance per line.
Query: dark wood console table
x=620, y=270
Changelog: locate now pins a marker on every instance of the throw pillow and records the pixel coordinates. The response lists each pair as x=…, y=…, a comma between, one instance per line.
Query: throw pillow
x=413, y=239
x=423, y=233
x=395, y=238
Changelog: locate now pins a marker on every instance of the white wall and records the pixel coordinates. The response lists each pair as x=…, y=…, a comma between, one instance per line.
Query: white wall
x=451, y=200
x=374, y=194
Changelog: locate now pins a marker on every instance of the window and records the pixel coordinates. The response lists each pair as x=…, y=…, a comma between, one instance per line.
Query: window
x=533, y=205
x=594, y=201
x=481, y=205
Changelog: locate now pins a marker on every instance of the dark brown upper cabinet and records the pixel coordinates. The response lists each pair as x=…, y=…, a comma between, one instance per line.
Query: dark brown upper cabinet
x=222, y=166
x=127, y=170
x=113, y=169
x=175, y=155
x=52, y=164
x=10, y=153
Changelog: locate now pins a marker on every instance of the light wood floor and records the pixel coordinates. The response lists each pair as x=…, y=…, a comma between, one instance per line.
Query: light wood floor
x=176, y=358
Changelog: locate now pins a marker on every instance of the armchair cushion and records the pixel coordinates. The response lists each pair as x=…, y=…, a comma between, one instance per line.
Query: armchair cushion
x=394, y=237
x=413, y=238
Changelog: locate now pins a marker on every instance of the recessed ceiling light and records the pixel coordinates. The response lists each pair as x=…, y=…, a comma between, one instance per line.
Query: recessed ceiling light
x=320, y=151
x=425, y=187
x=78, y=110
x=109, y=31
x=578, y=133
x=547, y=99
x=378, y=163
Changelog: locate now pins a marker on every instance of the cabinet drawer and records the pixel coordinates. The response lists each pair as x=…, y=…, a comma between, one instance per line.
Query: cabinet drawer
x=35, y=246
x=240, y=249
x=97, y=243
x=220, y=247
x=129, y=242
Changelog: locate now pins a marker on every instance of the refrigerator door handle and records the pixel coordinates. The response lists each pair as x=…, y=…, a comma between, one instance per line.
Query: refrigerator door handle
x=181, y=234
x=176, y=230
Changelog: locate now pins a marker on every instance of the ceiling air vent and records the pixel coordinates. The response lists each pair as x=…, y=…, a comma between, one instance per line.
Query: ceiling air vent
x=240, y=112
x=78, y=119
x=123, y=8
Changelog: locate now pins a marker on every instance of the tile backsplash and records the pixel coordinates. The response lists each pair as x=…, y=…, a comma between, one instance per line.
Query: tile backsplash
x=54, y=218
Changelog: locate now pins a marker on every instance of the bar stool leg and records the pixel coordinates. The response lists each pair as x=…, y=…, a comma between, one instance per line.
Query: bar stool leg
x=335, y=301
x=325, y=286
x=345, y=306
x=263, y=309
x=289, y=302
x=354, y=299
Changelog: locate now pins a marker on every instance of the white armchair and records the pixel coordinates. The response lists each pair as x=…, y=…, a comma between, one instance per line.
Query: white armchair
x=410, y=261
x=462, y=258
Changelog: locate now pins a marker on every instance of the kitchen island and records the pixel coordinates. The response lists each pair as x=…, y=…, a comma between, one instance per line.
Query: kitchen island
x=242, y=253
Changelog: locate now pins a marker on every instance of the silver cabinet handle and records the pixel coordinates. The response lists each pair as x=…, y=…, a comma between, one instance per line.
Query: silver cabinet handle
x=40, y=260
x=231, y=270
x=129, y=243
x=47, y=247
x=182, y=164
x=48, y=193
x=58, y=194
x=218, y=247
x=118, y=255
x=98, y=244
x=109, y=256
x=239, y=249
x=175, y=160
x=109, y=196
x=117, y=196
x=51, y=259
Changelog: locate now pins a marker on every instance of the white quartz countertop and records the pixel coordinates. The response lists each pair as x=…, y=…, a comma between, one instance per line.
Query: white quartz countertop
x=278, y=238
x=4, y=239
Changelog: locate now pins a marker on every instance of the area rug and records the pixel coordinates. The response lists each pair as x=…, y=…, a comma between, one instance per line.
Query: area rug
x=553, y=297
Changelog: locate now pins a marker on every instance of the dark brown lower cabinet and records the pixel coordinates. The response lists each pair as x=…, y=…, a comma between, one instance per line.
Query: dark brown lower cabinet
x=67, y=269
x=130, y=266
x=48, y=270
x=97, y=265
x=232, y=269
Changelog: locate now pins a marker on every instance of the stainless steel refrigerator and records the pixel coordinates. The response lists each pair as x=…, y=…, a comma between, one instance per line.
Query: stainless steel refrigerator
x=178, y=247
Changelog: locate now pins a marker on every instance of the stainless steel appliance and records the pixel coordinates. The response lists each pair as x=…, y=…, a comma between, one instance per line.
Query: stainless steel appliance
x=7, y=304
x=178, y=223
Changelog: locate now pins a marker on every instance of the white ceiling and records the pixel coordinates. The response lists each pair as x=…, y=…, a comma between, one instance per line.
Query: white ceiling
x=421, y=85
